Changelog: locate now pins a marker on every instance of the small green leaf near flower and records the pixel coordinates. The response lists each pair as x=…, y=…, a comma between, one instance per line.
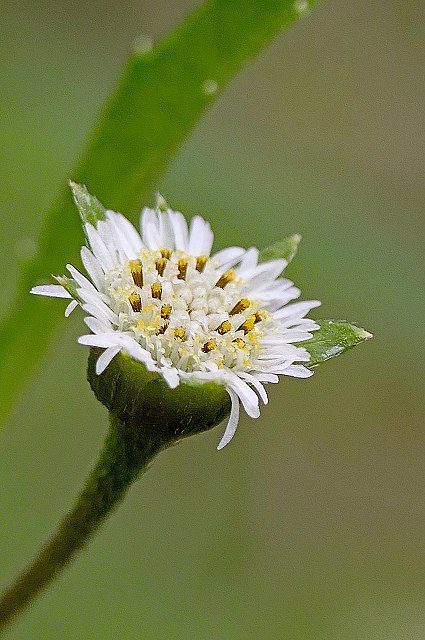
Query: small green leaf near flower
x=91, y=210
x=333, y=338
x=69, y=285
x=286, y=249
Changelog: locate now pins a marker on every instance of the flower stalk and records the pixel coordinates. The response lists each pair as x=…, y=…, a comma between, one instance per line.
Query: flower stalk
x=126, y=453
x=144, y=419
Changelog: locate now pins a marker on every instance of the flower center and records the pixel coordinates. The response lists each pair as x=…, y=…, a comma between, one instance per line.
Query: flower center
x=187, y=312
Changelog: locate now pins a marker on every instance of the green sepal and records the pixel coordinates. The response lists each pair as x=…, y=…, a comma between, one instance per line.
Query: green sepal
x=331, y=339
x=69, y=284
x=286, y=249
x=160, y=203
x=91, y=210
x=142, y=400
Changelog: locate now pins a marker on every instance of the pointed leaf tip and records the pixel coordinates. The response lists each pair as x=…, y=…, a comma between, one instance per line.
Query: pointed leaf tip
x=333, y=338
x=160, y=202
x=91, y=210
x=286, y=249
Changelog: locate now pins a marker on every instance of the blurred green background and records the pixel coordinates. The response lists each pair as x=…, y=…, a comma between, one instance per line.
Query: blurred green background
x=311, y=524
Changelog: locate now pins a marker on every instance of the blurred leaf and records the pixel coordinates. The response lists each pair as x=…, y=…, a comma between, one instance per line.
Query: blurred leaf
x=333, y=338
x=286, y=249
x=161, y=95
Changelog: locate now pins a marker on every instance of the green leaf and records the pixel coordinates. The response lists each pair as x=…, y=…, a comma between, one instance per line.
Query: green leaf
x=286, y=249
x=91, y=210
x=333, y=338
x=161, y=95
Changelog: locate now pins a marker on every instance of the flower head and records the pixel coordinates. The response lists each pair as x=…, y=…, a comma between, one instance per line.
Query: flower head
x=192, y=317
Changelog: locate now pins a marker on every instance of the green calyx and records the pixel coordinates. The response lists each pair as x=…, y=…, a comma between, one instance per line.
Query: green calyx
x=143, y=401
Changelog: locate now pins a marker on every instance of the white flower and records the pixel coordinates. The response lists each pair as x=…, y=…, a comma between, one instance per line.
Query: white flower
x=161, y=298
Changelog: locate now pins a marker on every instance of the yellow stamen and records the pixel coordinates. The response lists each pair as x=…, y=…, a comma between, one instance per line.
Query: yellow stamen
x=209, y=345
x=182, y=267
x=225, y=279
x=240, y=343
x=248, y=325
x=135, y=301
x=160, y=265
x=136, y=272
x=165, y=311
x=201, y=261
x=225, y=327
x=259, y=316
x=156, y=290
x=162, y=329
x=240, y=306
x=179, y=333
x=166, y=253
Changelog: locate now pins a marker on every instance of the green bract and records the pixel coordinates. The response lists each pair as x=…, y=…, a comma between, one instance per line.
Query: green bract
x=333, y=338
x=143, y=400
x=91, y=210
x=286, y=249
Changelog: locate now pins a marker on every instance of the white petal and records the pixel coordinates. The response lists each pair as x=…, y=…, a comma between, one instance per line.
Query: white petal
x=280, y=364
x=133, y=349
x=284, y=351
x=266, y=377
x=299, y=324
x=80, y=279
x=92, y=266
x=51, y=291
x=264, y=275
x=100, y=250
x=96, y=325
x=179, y=224
x=204, y=376
x=256, y=384
x=298, y=371
x=276, y=295
x=293, y=335
x=276, y=365
x=105, y=358
x=147, y=219
x=200, y=237
x=249, y=261
x=108, y=235
x=166, y=232
x=126, y=238
x=273, y=340
x=170, y=375
x=102, y=312
x=70, y=308
x=102, y=340
x=151, y=236
x=228, y=257
x=296, y=309
x=247, y=396
x=233, y=420
x=92, y=297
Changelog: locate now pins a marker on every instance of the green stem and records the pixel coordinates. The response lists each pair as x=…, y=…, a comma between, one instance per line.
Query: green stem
x=125, y=454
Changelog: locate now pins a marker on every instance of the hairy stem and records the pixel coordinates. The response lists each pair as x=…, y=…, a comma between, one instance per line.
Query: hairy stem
x=125, y=454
